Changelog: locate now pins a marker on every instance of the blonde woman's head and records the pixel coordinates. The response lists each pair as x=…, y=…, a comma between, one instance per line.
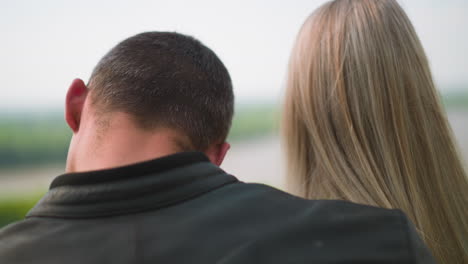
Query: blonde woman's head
x=363, y=121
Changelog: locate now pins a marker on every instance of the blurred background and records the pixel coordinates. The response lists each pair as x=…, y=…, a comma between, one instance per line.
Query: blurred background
x=46, y=44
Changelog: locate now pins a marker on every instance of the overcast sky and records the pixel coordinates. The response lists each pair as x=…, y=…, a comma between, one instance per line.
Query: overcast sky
x=45, y=44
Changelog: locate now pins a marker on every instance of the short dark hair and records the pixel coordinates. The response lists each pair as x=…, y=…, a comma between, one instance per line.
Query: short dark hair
x=166, y=79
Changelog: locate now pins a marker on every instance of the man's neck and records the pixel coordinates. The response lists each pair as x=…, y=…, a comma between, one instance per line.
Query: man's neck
x=120, y=143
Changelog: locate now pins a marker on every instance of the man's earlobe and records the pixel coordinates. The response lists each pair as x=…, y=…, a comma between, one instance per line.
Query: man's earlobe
x=216, y=153
x=74, y=103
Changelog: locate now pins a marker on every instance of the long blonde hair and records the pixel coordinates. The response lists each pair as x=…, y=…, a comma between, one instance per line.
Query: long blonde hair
x=363, y=122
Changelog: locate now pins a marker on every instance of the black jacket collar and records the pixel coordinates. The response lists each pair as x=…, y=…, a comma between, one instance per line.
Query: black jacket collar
x=130, y=189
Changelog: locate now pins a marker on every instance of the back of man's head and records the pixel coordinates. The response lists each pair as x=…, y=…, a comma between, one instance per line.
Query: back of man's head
x=169, y=80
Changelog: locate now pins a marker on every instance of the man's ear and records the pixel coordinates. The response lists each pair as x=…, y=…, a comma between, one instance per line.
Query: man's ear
x=74, y=103
x=217, y=152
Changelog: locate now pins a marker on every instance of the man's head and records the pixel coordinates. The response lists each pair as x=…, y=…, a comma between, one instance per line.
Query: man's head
x=163, y=83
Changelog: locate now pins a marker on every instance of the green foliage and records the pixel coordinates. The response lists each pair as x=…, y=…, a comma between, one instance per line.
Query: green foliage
x=456, y=100
x=15, y=208
x=253, y=121
x=32, y=140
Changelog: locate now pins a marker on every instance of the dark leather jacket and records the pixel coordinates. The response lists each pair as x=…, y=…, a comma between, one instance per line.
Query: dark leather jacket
x=183, y=209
